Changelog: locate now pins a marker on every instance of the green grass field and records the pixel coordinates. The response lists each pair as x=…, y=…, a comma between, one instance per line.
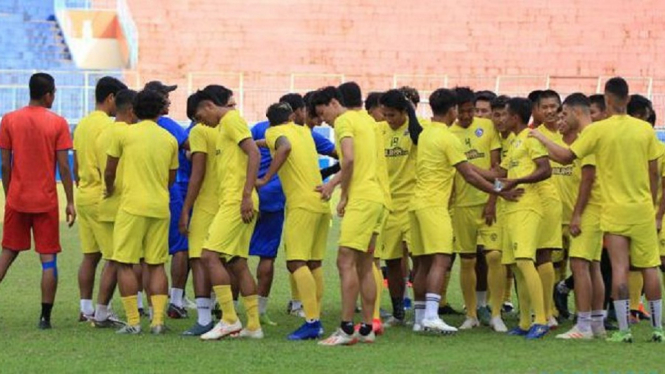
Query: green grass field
x=74, y=347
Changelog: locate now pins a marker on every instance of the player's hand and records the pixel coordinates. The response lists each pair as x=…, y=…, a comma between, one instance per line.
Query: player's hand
x=183, y=223
x=341, y=206
x=575, y=223
x=70, y=213
x=489, y=214
x=659, y=224
x=536, y=134
x=508, y=184
x=512, y=195
x=247, y=209
x=260, y=183
x=326, y=190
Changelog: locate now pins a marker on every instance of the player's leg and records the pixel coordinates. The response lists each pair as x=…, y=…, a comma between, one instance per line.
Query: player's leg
x=265, y=272
x=179, y=271
x=49, y=287
x=465, y=228
x=91, y=256
x=7, y=258
x=221, y=285
x=496, y=275
x=156, y=254
x=138, y=271
x=108, y=279
x=583, y=299
x=368, y=289
x=644, y=255
x=264, y=244
x=597, y=300
x=635, y=289
x=46, y=232
x=396, y=233
x=377, y=275
x=350, y=289
x=396, y=286
x=247, y=287
x=508, y=306
x=318, y=253
x=482, y=289
x=524, y=304
x=618, y=248
x=546, y=273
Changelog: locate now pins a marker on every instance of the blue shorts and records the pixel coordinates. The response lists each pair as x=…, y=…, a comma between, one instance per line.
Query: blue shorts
x=267, y=234
x=177, y=242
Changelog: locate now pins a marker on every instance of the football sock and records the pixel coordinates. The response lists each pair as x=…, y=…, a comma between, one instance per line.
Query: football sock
x=635, y=285
x=159, y=305
x=584, y=321
x=432, y=301
x=318, y=278
x=176, y=296
x=656, y=309
x=597, y=319
x=139, y=299
x=130, y=305
x=307, y=289
x=203, y=310
x=547, y=279
x=419, y=311
x=295, y=295
x=508, y=289
x=524, y=302
x=86, y=307
x=102, y=312
x=251, y=303
x=398, y=307
x=496, y=275
x=468, y=283
x=46, y=312
x=225, y=300
x=347, y=327
x=365, y=329
x=534, y=287
x=263, y=305
x=622, y=310
x=378, y=279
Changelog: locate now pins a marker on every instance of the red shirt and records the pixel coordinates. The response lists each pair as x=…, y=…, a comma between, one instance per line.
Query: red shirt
x=34, y=135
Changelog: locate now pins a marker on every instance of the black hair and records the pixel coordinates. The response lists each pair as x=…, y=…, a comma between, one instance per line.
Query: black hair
x=220, y=94
x=195, y=99
x=442, y=100
x=40, y=85
x=148, y=104
x=485, y=96
x=394, y=99
x=521, y=107
x=323, y=96
x=652, y=118
x=351, y=94
x=598, y=100
x=464, y=95
x=618, y=87
x=125, y=99
x=534, y=96
x=372, y=100
x=295, y=100
x=279, y=113
x=311, y=110
x=499, y=102
x=639, y=106
x=107, y=86
x=577, y=99
x=411, y=94
x=549, y=94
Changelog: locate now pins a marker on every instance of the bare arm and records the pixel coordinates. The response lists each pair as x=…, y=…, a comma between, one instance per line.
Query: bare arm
x=110, y=174
x=556, y=152
x=473, y=178
x=542, y=172
x=661, y=207
x=347, y=165
x=66, y=179
x=6, y=169
x=172, y=177
x=253, y=158
x=586, y=184
x=193, y=188
x=282, y=152
x=495, y=158
x=490, y=175
x=654, y=179
x=77, y=179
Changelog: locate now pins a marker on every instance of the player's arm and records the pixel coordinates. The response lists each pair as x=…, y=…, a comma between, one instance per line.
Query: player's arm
x=586, y=184
x=473, y=178
x=110, y=174
x=345, y=175
x=556, y=152
x=261, y=143
x=414, y=125
x=654, y=179
x=185, y=145
x=199, y=160
x=326, y=190
x=77, y=179
x=253, y=158
x=661, y=207
x=66, y=179
x=172, y=177
x=490, y=175
x=282, y=152
x=542, y=172
x=6, y=169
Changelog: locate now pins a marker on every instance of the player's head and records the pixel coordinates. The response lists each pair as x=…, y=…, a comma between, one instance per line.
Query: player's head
x=518, y=113
x=351, y=95
x=483, y=104
x=575, y=112
x=280, y=113
x=328, y=104
x=42, y=89
x=597, y=108
x=394, y=106
x=549, y=102
x=105, y=91
x=124, y=105
x=164, y=89
x=411, y=94
x=311, y=119
x=443, y=103
x=534, y=96
x=616, y=95
x=465, y=106
x=148, y=105
x=209, y=105
x=297, y=104
x=639, y=107
x=499, y=112
x=373, y=107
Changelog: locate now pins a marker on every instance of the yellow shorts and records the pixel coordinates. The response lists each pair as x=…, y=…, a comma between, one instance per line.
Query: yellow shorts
x=589, y=244
x=431, y=232
x=396, y=233
x=305, y=234
x=520, y=235
x=228, y=235
x=359, y=223
x=644, y=248
x=137, y=237
x=106, y=239
x=550, y=230
x=379, y=231
x=89, y=228
x=471, y=230
x=198, y=230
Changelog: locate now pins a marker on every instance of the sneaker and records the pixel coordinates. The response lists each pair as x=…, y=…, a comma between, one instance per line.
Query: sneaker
x=296, y=311
x=44, y=324
x=448, y=310
x=107, y=323
x=158, y=329
x=393, y=322
x=507, y=307
x=469, y=323
x=408, y=304
x=266, y=321
x=517, y=331
x=561, y=301
x=417, y=327
x=484, y=315
x=552, y=323
x=377, y=326
x=369, y=338
x=176, y=312
x=576, y=334
x=130, y=330
x=198, y=330
x=537, y=331
x=250, y=334
x=496, y=323
x=339, y=338
x=658, y=336
x=307, y=331
x=85, y=317
x=621, y=337
x=438, y=326
x=383, y=314
x=221, y=330
x=599, y=331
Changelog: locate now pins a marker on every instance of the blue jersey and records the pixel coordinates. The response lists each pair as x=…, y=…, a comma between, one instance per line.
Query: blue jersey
x=271, y=196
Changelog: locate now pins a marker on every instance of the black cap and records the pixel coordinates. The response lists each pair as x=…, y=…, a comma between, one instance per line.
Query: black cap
x=160, y=87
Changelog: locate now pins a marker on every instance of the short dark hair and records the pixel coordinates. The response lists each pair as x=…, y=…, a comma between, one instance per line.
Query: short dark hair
x=40, y=85
x=441, y=100
x=372, y=100
x=652, y=117
x=521, y=107
x=351, y=94
x=534, y=96
x=148, y=104
x=639, y=106
x=549, y=94
x=464, y=95
x=411, y=94
x=107, y=86
x=323, y=96
x=577, y=99
x=618, y=87
x=220, y=95
x=195, y=99
x=485, y=95
x=279, y=113
x=295, y=100
x=599, y=100
x=311, y=110
x=394, y=99
x=500, y=102
x=124, y=99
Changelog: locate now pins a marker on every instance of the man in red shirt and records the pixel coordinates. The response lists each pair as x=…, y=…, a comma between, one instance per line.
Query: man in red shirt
x=33, y=139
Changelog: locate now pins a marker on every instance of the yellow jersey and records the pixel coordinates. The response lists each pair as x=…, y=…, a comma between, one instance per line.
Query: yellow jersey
x=505, y=144
x=203, y=139
x=381, y=164
x=549, y=188
x=90, y=189
x=400, y=154
x=108, y=207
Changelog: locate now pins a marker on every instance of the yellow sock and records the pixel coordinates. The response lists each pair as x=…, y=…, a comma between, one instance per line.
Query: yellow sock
x=496, y=275
x=318, y=278
x=225, y=300
x=468, y=283
x=535, y=289
x=524, y=301
x=635, y=285
x=131, y=305
x=378, y=278
x=307, y=286
x=158, y=309
x=508, y=289
x=444, y=289
x=295, y=295
x=546, y=273
x=251, y=303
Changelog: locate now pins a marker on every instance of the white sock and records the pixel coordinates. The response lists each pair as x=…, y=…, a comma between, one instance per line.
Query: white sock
x=406, y=287
x=656, y=308
x=622, y=309
x=597, y=319
x=296, y=304
x=584, y=321
x=432, y=301
x=419, y=310
x=101, y=313
x=481, y=297
x=263, y=304
x=86, y=307
x=139, y=299
x=203, y=310
x=176, y=296
x=150, y=313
